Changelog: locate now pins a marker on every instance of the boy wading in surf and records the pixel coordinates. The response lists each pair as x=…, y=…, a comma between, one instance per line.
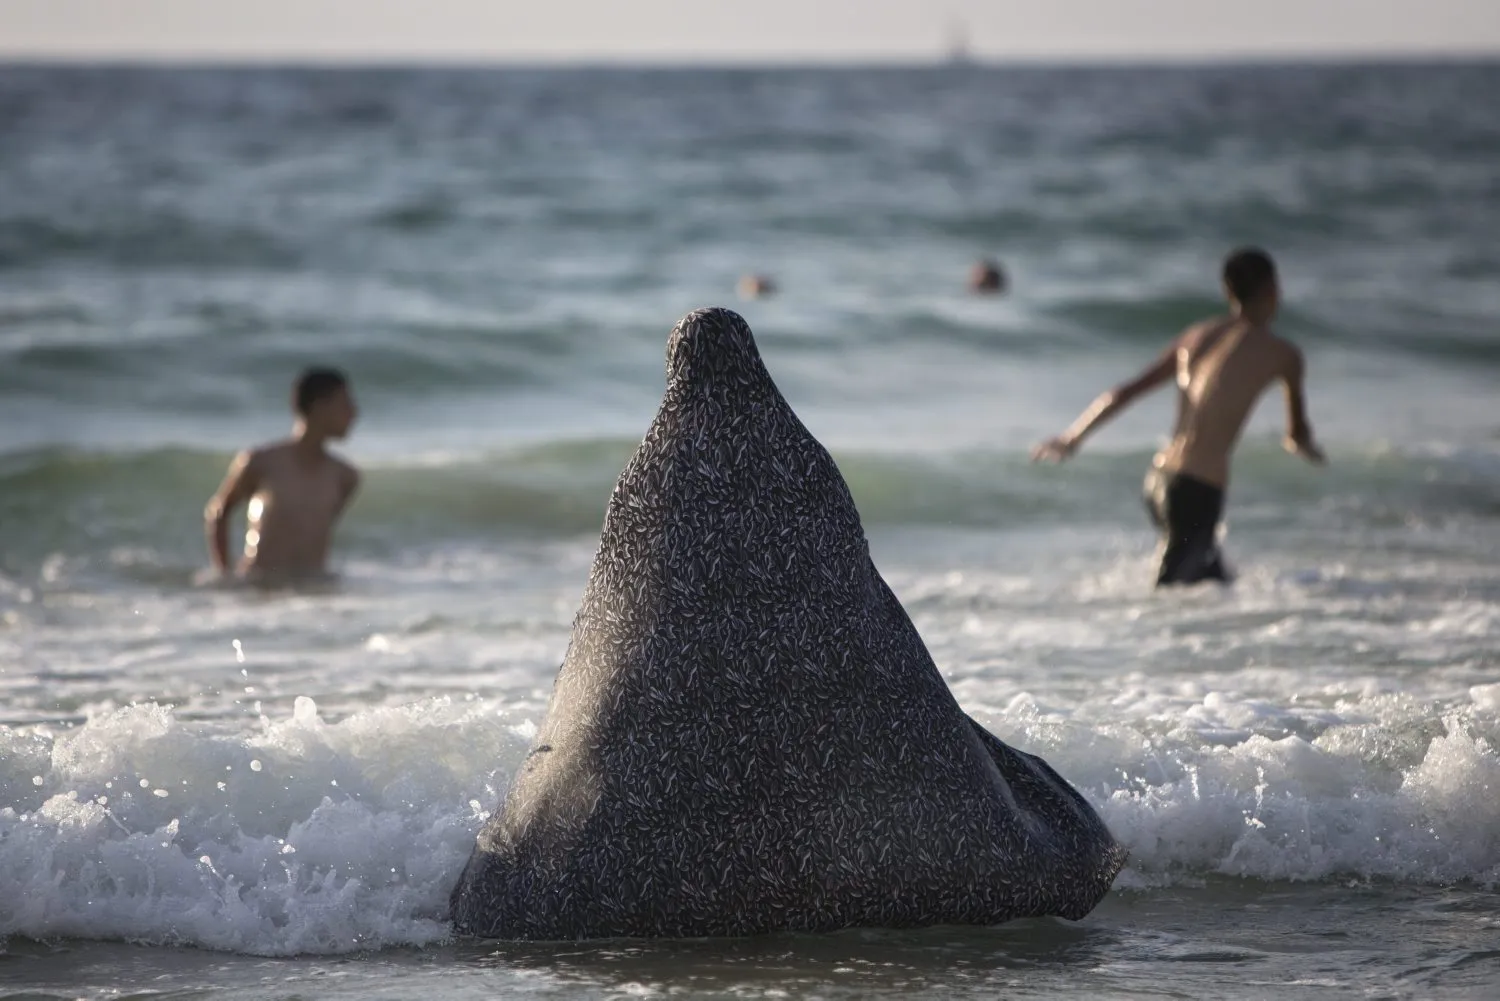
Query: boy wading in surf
x=294, y=490
x=1221, y=367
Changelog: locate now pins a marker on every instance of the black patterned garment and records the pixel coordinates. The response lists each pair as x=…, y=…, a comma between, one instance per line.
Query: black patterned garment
x=747, y=734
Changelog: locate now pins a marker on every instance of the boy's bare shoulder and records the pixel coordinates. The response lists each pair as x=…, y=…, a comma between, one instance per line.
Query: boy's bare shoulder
x=1290, y=353
x=1195, y=336
x=267, y=454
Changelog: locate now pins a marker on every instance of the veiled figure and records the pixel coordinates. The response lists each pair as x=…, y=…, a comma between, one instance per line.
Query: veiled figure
x=747, y=734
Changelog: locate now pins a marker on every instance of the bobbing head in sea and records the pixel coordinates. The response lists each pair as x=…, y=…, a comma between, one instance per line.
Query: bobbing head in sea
x=986, y=277
x=756, y=286
x=747, y=734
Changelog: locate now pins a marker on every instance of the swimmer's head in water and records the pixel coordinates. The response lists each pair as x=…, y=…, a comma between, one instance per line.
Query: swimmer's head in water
x=756, y=287
x=1250, y=277
x=321, y=398
x=986, y=277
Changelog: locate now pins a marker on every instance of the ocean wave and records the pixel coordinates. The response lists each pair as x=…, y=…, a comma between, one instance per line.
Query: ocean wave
x=139, y=239
x=305, y=838
x=243, y=360
x=1378, y=787
x=1153, y=320
x=314, y=836
x=54, y=499
x=417, y=215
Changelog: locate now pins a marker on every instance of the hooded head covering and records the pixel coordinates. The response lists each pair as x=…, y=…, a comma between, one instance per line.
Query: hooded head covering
x=747, y=734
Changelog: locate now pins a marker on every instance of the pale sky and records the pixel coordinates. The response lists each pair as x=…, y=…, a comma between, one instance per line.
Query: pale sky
x=697, y=31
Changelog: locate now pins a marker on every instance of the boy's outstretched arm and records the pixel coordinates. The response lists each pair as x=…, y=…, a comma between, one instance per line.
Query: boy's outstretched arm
x=1299, y=433
x=239, y=486
x=1106, y=405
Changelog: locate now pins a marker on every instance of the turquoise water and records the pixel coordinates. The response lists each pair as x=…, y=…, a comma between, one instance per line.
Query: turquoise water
x=1303, y=766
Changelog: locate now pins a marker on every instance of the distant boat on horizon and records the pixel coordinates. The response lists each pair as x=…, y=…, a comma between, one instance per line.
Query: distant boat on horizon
x=959, y=52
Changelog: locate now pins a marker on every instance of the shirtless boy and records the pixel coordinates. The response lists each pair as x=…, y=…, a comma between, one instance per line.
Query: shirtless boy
x=1221, y=367
x=294, y=490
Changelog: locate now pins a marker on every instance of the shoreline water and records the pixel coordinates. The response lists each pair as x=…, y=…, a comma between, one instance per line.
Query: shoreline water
x=1293, y=940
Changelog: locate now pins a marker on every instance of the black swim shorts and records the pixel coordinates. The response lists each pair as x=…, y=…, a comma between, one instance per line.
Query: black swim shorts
x=1187, y=511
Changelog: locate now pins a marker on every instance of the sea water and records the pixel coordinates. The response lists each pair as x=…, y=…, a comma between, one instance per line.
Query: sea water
x=244, y=795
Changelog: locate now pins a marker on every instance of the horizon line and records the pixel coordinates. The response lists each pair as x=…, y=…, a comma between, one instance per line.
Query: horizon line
x=653, y=61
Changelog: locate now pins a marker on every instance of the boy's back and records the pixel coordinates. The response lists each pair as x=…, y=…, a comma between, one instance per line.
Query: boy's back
x=1223, y=367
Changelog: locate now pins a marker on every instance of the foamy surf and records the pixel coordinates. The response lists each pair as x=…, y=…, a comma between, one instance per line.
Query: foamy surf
x=303, y=837
x=313, y=837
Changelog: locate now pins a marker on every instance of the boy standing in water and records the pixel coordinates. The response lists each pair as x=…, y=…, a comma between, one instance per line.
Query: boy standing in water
x=1221, y=366
x=295, y=490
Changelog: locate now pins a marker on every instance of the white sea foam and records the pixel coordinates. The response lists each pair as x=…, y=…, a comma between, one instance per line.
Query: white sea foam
x=350, y=835
x=1378, y=788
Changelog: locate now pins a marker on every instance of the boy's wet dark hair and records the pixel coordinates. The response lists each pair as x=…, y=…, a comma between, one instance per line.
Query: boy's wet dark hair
x=316, y=384
x=1248, y=272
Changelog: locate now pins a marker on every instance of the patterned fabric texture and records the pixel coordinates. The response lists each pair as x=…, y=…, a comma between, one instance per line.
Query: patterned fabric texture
x=747, y=734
